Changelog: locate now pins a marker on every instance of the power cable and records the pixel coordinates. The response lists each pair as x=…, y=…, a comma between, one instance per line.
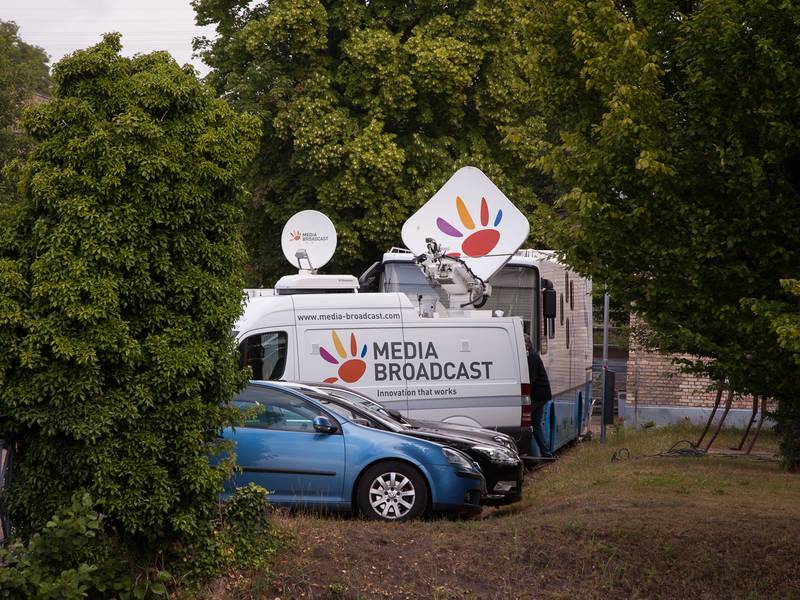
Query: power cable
x=685, y=449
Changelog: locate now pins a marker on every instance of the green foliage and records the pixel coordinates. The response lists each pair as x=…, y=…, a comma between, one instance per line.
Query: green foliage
x=368, y=108
x=784, y=317
x=23, y=73
x=73, y=557
x=69, y=559
x=119, y=283
x=673, y=126
x=239, y=537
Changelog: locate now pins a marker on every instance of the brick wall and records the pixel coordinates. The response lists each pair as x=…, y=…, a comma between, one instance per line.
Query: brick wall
x=654, y=380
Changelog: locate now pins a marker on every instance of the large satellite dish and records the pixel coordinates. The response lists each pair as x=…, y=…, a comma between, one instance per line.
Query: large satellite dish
x=308, y=240
x=472, y=220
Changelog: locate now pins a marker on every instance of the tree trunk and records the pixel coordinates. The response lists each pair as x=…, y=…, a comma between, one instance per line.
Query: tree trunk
x=788, y=417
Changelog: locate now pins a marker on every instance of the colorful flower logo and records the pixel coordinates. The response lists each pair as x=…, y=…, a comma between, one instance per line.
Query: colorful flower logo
x=294, y=235
x=350, y=370
x=479, y=243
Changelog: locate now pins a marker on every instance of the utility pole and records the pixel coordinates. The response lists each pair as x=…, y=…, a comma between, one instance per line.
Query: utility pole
x=605, y=369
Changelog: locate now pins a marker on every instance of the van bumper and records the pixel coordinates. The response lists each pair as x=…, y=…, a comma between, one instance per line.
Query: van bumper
x=522, y=436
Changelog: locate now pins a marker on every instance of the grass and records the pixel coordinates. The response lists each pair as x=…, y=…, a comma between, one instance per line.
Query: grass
x=646, y=527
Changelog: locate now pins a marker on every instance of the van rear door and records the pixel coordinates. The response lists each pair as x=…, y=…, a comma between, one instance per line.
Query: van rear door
x=463, y=372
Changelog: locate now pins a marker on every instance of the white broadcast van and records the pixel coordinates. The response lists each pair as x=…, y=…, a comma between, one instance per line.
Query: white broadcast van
x=470, y=370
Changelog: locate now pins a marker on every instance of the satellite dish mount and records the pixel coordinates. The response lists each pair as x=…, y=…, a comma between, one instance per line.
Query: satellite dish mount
x=302, y=255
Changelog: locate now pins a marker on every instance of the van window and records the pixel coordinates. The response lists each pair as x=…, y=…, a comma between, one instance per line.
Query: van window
x=513, y=292
x=265, y=354
x=567, y=332
x=571, y=296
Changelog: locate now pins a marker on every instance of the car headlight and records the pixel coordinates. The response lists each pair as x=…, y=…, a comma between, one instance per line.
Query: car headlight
x=457, y=459
x=498, y=454
x=506, y=441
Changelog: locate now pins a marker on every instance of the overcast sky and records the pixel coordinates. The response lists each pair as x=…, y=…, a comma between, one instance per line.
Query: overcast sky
x=63, y=26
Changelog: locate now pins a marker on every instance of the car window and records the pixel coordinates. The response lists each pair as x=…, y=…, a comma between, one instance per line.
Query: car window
x=265, y=354
x=269, y=408
x=339, y=410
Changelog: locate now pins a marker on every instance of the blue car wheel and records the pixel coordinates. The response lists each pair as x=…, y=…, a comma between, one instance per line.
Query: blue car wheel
x=392, y=491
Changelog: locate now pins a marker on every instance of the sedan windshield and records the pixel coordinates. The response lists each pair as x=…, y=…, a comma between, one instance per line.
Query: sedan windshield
x=367, y=403
x=353, y=411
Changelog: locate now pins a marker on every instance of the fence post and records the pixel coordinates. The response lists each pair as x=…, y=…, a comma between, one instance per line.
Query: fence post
x=606, y=302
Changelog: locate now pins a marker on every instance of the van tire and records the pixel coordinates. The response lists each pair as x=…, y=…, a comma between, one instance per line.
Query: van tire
x=392, y=491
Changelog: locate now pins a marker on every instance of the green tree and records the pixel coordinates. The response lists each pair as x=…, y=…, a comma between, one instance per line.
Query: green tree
x=784, y=318
x=674, y=127
x=368, y=108
x=120, y=279
x=23, y=73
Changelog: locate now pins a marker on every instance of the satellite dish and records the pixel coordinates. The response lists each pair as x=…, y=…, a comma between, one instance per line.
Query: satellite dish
x=472, y=220
x=308, y=240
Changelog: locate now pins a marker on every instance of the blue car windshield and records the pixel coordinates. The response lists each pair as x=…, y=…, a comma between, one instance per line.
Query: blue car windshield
x=354, y=411
x=366, y=403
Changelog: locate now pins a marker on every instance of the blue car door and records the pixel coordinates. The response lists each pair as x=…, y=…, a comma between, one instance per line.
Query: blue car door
x=279, y=449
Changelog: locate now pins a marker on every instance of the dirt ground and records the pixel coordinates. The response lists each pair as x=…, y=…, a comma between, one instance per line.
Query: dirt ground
x=646, y=527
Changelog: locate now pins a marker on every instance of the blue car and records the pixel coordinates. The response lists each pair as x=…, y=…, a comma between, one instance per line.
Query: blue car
x=309, y=457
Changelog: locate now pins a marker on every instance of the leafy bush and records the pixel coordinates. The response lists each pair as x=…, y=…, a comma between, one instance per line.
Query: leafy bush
x=68, y=559
x=74, y=556
x=120, y=279
x=240, y=537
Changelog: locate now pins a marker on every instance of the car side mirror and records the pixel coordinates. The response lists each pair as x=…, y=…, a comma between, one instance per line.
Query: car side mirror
x=324, y=425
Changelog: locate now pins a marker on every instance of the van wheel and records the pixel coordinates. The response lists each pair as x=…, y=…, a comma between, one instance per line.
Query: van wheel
x=392, y=491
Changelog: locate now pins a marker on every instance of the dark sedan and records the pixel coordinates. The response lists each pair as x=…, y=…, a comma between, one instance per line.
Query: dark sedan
x=502, y=467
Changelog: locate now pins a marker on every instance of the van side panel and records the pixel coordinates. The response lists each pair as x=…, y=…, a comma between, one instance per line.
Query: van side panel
x=355, y=355
x=567, y=355
x=463, y=372
x=339, y=336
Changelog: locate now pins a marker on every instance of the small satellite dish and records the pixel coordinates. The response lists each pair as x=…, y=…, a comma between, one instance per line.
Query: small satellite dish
x=308, y=240
x=471, y=219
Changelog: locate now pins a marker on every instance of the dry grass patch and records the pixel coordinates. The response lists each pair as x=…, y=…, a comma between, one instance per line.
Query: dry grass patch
x=710, y=527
